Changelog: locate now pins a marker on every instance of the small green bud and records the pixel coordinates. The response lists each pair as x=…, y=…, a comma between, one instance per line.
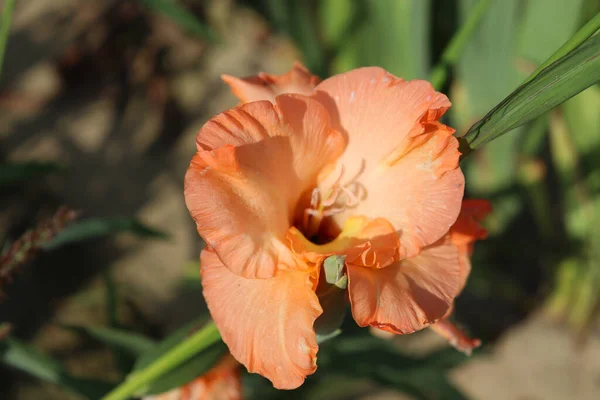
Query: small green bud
x=334, y=271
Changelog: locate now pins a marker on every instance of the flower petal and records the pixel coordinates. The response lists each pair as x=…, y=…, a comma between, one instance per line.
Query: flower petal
x=267, y=323
x=466, y=230
x=368, y=243
x=455, y=336
x=254, y=163
x=267, y=87
x=409, y=294
x=399, y=159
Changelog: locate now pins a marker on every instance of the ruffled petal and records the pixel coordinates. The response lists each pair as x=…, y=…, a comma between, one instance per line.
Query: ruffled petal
x=368, y=243
x=254, y=163
x=267, y=87
x=466, y=230
x=266, y=323
x=409, y=294
x=400, y=161
x=455, y=336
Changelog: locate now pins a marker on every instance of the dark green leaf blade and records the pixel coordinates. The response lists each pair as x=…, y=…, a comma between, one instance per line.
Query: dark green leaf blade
x=165, y=345
x=364, y=356
x=95, y=227
x=134, y=344
x=25, y=358
x=560, y=81
x=7, y=12
x=392, y=34
x=188, y=370
x=11, y=173
x=181, y=16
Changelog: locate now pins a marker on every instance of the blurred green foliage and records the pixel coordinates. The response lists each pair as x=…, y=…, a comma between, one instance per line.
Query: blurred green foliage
x=543, y=178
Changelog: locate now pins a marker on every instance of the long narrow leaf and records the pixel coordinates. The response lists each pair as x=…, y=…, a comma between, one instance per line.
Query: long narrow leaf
x=197, y=366
x=576, y=40
x=560, y=81
x=185, y=372
x=454, y=49
x=181, y=16
x=11, y=173
x=96, y=227
x=131, y=343
x=7, y=11
x=20, y=356
x=173, y=358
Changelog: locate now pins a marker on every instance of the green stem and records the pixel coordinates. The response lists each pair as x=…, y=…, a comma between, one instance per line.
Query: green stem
x=457, y=44
x=175, y=357
x=578, y=38
x=7, y=11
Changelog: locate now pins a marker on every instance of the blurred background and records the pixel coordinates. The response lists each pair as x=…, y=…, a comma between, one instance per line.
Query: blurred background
x=99, y=106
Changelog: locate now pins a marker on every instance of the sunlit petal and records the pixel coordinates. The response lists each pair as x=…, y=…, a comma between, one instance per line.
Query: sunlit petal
x=409, y=294
x=267, y=323
x=401, y=162
x=253, y=164
x=266, y=87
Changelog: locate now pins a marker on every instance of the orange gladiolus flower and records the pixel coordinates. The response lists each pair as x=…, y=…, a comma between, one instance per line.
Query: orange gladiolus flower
x=222, y=382
x=357, y=165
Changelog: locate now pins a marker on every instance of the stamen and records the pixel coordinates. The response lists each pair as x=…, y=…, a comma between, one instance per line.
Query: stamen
x=322, y=206
x=314, y=198
x=332, y=197
x=339, y=179
x=352, y=199
x=333, y=211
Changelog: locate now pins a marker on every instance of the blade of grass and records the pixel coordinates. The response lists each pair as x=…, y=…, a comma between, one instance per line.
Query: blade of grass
x=560, y=81
x=188, y=371
x=167, y=362
x=20, y=356
x=297, y=20
x=131, y=343
x=389, y=33
x=182, y=17
x=576, y=40
x=7, y=11
x=454, y=49
x=112, y=314
x=484, y=75
x=11, y=173
x=95, y=227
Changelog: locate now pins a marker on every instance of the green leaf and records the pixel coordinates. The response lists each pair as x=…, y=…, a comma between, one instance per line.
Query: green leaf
x=456, y=46
x=7, y=11
x=485, y=74
x=180, y=352
x=583, y=118
x=96, y=227
x=18, y=355
x=166, y=344
x=11, y=173
x=394, y=35
x=131, y=343
x=297, y=20
x=183, y=373
x=181, y=16
x=575, y=41
x=547, y=25
x=200, y=364
x=335, y=17
x=563, y=79
x=364, y=356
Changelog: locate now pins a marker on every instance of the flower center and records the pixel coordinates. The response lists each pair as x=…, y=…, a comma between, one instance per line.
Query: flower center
x=327, y=203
